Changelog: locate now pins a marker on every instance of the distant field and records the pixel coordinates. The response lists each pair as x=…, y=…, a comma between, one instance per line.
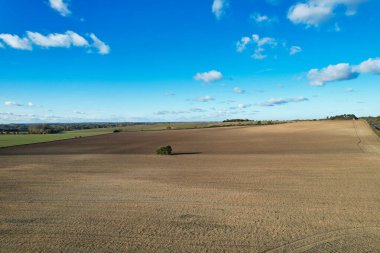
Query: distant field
x=8, y=140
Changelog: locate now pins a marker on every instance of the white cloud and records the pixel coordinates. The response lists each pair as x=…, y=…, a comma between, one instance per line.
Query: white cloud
x=189, y=111
x=332, y=73
x=261, y=19
x=67, y=39
x=260, y=45
x=295, y=50
x=242, y=44
x=100, y=45
x=281, y=101
x=343, y=71
x=209, y=76
x=238, y=90
x=30, y=104
x=219, y=8
x=315, y=12
x=309, y=14
x=60, y=6
x=11, y=103
x=204, y=99
x=369, y=66
x=263, y=41
x=14, y=41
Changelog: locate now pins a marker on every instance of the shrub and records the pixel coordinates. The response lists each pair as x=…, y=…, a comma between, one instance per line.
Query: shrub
x=117, y=130
x=167, y=150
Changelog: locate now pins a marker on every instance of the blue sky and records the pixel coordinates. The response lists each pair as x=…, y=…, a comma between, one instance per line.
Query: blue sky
x=170, y=60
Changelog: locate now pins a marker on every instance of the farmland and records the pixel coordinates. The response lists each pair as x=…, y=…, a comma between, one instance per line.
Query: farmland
x=296, y=187
x=7, y=140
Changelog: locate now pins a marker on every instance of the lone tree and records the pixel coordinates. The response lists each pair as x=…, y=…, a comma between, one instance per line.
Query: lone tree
x=167, y=150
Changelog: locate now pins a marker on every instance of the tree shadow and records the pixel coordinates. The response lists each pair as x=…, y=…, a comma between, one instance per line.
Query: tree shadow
x=186, y=153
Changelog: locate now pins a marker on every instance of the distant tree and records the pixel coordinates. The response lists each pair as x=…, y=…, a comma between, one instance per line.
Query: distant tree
x=343, y=117
x=235, y=120
x=167, y=150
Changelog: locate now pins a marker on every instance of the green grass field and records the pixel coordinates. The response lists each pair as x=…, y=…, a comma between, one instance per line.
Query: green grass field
x=7, y=140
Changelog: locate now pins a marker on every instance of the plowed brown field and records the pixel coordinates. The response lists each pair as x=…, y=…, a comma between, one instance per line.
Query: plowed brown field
x=297, y=187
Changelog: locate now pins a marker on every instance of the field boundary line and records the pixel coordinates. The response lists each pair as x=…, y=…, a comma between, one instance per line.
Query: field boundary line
x=357, y=135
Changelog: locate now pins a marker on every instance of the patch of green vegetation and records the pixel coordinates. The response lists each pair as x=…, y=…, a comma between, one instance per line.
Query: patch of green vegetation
x=167, y=150
x=374, y=122
x=7, y=140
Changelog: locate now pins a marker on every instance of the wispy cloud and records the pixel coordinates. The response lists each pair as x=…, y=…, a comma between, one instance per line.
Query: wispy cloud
x=179, y=112
x=60, y=6
x=240, y=107
x=241, y=45
x=261, y=19
x=64, y=40
x=208, y=77
x=12, y=103
x=100, y=45
x=204, y=99
x=281, y=101
x=9, y=117
x=219, y=8
x=260, y=44
x=295, y=50
x=238, y=90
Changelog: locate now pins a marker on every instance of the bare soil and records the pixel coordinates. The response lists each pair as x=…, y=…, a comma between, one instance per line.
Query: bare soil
x=299, y=187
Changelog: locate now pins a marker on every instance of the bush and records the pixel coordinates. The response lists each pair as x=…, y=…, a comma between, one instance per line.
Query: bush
x=167, y=150
x=117, y=130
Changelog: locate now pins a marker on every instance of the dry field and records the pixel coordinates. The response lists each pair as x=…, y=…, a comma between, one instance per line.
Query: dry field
x=297, y=187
